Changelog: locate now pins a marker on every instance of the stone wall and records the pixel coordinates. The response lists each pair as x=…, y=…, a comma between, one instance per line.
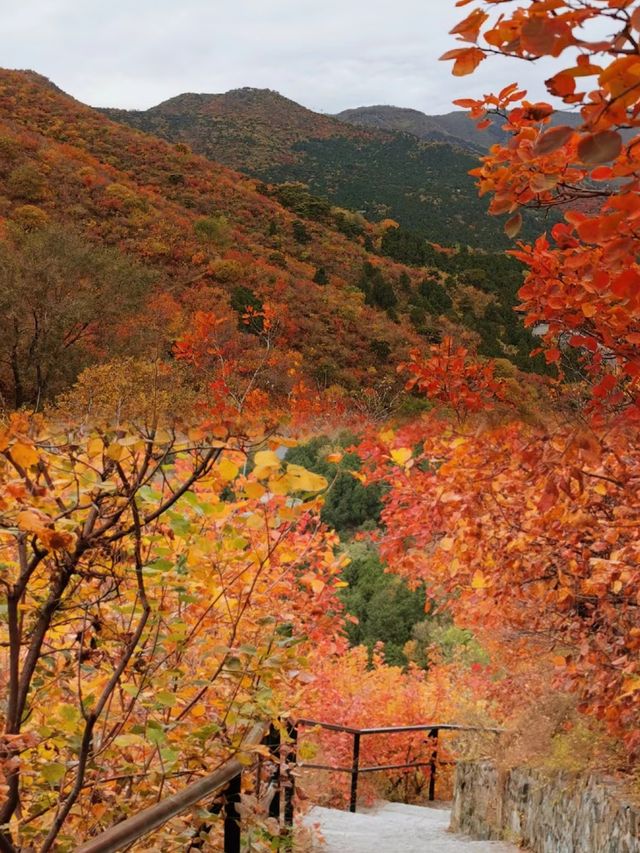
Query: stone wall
x=544, y=812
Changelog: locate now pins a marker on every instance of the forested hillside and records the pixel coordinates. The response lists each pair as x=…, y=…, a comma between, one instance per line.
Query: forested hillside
x=383, y=174
x=190, y=236
x=456, y=128
x=196, y=237
x=265, y=459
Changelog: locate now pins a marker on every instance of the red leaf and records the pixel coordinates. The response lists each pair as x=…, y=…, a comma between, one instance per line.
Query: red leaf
x=602, y=173
x=541, y=35
x=605, y=386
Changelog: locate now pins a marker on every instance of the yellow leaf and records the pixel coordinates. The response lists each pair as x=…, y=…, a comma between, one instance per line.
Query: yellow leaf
x=115, y=451
x=334, y=458
x=301, y=480
x=228, y=470
x=95, y=447
x=479, y=581
x=255, y=522
x=446, y=544
x=630, y=686
x=267, y=458
x=401, y=455
x=317, y=585
x=266, y=462
x=24, y=455
x=279, y=485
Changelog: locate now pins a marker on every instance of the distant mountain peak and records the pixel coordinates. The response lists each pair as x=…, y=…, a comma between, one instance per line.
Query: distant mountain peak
x=409, y=120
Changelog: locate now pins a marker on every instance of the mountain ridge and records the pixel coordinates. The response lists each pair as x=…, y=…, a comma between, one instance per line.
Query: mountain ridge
x=424, y=185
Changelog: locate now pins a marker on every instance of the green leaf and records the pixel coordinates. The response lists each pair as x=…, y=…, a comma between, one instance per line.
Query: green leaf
x=53, y=772
x=166, y=699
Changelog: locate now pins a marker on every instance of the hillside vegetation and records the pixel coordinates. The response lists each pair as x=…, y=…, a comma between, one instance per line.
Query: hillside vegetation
x=381, y=173
x=197, y=237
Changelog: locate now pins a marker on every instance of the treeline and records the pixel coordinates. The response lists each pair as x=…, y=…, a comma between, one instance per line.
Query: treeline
x=455, y=286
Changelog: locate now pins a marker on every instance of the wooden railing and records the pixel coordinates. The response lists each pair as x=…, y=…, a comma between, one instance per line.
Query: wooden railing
x=226, y=782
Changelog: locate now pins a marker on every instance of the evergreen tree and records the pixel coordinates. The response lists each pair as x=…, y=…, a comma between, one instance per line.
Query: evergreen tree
x=321, y=276
x=300, y=233
x=249, y=307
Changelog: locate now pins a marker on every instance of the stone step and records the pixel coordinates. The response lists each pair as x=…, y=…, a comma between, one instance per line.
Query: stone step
x=394, y=828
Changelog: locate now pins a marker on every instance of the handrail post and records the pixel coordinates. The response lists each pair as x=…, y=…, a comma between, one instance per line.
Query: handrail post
x=290, y=782
x=354, y=772
x=273, y=742
x=433, y=734
x=232, y=815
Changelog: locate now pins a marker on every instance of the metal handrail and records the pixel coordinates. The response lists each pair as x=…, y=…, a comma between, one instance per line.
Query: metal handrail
x=133, y=828
x=383, y=730
x=228, y=778
x=355, y=770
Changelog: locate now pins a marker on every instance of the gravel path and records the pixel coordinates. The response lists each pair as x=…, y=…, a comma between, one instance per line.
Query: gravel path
x=394, y=828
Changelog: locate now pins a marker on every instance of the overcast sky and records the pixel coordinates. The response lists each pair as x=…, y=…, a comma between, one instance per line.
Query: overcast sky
x=325, y=54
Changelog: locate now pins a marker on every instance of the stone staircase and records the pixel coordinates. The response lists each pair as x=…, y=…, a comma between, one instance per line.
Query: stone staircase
x=394, y=828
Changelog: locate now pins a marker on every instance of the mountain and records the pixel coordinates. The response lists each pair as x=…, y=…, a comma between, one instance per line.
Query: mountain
x=424, y=186
x=141, y=236
x=425, y=127
x=208, y=235
x=455, y=127
x=248, y=129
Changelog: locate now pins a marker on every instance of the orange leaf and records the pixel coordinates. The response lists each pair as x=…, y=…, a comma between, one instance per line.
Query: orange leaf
x=600, y=147
x=552, y=139
x=466, y=103
x=561, y=85
x=469, y=29
x=467, y=60
x=513, y=225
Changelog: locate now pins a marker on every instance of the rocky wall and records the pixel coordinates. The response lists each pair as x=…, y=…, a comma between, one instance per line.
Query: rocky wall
x=544, y=812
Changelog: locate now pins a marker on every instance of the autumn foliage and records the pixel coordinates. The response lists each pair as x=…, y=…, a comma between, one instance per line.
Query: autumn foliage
x=525, y=523
x=158, y=601
x=166, y=576
x=582, y=285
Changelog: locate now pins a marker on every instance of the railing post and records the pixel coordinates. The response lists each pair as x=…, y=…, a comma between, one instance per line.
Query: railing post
x=354, y=772
x=232, y=815
x=273, y=742
x=433, y=734
x=290, y=780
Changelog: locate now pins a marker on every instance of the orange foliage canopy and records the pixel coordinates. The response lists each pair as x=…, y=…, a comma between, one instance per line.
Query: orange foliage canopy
x=527, y=531
x=583, y=281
